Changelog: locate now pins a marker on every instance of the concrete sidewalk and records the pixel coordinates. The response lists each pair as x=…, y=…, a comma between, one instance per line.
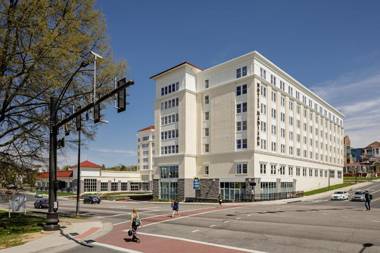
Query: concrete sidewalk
x=68, y=237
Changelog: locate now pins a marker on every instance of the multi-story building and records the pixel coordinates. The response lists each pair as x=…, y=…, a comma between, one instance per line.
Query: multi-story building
x=145, y=153
x=242, y=127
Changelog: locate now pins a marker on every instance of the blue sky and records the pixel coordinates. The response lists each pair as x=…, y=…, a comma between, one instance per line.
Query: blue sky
x=332, y=47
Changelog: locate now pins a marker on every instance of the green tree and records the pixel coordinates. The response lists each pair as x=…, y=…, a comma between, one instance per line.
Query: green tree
x=44, y=45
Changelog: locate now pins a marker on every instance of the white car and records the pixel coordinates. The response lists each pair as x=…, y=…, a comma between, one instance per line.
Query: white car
x=341, y=195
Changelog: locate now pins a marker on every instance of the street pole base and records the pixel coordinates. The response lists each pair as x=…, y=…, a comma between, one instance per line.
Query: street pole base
x=51, y=222
x=51, y=227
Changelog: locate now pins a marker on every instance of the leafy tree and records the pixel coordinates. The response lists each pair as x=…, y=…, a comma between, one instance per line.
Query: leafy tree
x=44, y=46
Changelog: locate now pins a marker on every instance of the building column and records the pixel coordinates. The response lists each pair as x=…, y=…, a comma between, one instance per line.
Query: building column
x=98, y=185
x=119, y=186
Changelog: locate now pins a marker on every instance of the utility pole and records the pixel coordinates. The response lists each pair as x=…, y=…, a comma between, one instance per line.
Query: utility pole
x=79, y=128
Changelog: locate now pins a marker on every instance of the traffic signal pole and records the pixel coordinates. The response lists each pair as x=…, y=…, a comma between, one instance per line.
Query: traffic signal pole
x=78, y=175
x=52, y=216
x=52, y=221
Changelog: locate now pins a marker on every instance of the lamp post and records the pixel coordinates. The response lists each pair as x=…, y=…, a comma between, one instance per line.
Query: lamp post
x=94, y=85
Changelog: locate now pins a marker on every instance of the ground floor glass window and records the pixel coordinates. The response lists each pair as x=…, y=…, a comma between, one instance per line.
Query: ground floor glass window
x=168, y=190
x=89, y=185
x=233, y=191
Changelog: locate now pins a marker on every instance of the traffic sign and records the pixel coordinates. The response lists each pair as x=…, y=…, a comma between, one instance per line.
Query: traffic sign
x=196, y=184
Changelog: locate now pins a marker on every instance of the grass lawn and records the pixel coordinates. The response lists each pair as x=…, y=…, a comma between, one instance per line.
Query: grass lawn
x=13, y=230
x=359, y=179
x=58, y=193
x=325, y=189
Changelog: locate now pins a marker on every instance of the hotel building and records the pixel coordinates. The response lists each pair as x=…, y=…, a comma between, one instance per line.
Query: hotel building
x=145, y=153
x=241, y=128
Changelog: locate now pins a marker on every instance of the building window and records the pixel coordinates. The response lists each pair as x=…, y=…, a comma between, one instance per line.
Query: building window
x=207, y=115
x=263, y=73
x=241, y=144
x=274, y=113
x=114, y=186
x=135, y=186
x=169, y=171
x=273, y=169
x=206, y=84
x=104, y=186
x=298, y=171
x=263, y=109
x=274, y=146
x=241, y=90
x=207, y=100
x=207, y=148
x=241, y=168
x=241, y=107
x=207, y=131
x=290, y=171
x=273, y=79
x=274, y=96
x=89, y=185
x=263, y=144
x=206, y=170
x=263, y=91
x=304, y=172
x=241, y=125
x=263, y=168
x=282, y=170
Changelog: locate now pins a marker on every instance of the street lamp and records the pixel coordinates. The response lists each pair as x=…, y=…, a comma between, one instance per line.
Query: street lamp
x=94, y=88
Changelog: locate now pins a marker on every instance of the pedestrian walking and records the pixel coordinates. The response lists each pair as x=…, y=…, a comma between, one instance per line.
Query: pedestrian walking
x=135, y=223
x=367, y=201
x=175, y=208
x=220, y=200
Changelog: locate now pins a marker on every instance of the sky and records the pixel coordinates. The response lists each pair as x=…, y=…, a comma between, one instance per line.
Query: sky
x=332, y=47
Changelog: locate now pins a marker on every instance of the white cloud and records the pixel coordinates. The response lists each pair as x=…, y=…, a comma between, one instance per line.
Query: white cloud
x=357, y=95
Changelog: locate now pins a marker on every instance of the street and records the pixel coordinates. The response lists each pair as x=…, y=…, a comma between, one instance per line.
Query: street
x=315, y=226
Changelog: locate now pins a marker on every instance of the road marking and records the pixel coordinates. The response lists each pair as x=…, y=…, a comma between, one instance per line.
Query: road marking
x=115, y=247
x=226, y=221
x=204, y=243
x=376, y=221
x=153, y=216
x=238, y=218
x=211, y=226
x=194, y=231
x=249, y=215
x=191, y=215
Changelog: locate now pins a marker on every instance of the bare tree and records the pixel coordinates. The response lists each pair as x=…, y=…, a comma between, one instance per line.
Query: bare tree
x=45, y=46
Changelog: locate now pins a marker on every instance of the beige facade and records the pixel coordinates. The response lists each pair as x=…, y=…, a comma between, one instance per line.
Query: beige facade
x=240, y=122
x=145, y=153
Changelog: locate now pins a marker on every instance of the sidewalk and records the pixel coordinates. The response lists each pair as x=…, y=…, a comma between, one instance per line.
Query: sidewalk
x=68, y=237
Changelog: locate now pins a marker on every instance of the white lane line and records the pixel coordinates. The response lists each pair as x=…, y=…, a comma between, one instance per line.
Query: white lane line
x=238, y=218
x=194, y=231
x=226, y=221
x=211, y=226
x=115, y=247
x=191, y=215
x=154, y=216
x=204, y=243
x=376, y=221
x=249, y=215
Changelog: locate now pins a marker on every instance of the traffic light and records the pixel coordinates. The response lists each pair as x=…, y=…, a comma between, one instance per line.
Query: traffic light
x=67, y=130
x=78, y=120
x=97, y=113
x=121, y=96
x=61, y=143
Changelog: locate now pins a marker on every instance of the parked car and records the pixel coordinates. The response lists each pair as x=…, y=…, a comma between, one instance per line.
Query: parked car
x=41, y=203
x=358, y=196
x=91, y=199
x=341, y=195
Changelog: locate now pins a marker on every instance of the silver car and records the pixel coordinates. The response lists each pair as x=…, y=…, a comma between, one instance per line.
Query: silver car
x=358, y=196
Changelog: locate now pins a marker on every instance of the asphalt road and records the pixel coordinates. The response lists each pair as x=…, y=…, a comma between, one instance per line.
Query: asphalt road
x=320, y=225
